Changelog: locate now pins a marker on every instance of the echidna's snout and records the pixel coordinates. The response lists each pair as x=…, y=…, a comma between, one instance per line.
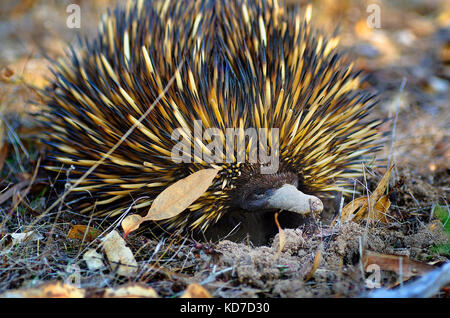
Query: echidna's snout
x=289, y=198
x=284, y=196
x=274, y=192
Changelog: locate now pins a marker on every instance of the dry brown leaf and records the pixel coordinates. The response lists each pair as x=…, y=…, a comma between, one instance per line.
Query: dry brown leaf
x=349, y=210
x=381, y=187
x=174, y=199
x=380, y=210
x=134, y=290
x=196, y=291
x=47, y=290
x=85, y=232
x=374, y=208
x=120, y=257
x=180, y=195
x=316, y=263
x=397, y=264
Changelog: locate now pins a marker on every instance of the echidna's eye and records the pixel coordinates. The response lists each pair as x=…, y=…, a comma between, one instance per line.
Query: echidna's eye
x=259, y=193
x=257, y=199
x=258, y=196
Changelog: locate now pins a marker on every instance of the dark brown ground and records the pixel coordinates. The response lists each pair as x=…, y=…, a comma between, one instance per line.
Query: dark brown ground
x=413, y=44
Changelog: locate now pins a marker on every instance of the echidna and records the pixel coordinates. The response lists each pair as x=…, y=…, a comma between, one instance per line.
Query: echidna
x=236, y=64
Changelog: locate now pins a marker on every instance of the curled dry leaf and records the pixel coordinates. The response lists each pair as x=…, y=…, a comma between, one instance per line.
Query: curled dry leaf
x=81, y=232
x=375, y=207
x=174, y=199
x=348, y=212
x=131, y=291
x=120, y=257
x=131, y=223
x=47, y=290
x=381, y=210
x=196, y=291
